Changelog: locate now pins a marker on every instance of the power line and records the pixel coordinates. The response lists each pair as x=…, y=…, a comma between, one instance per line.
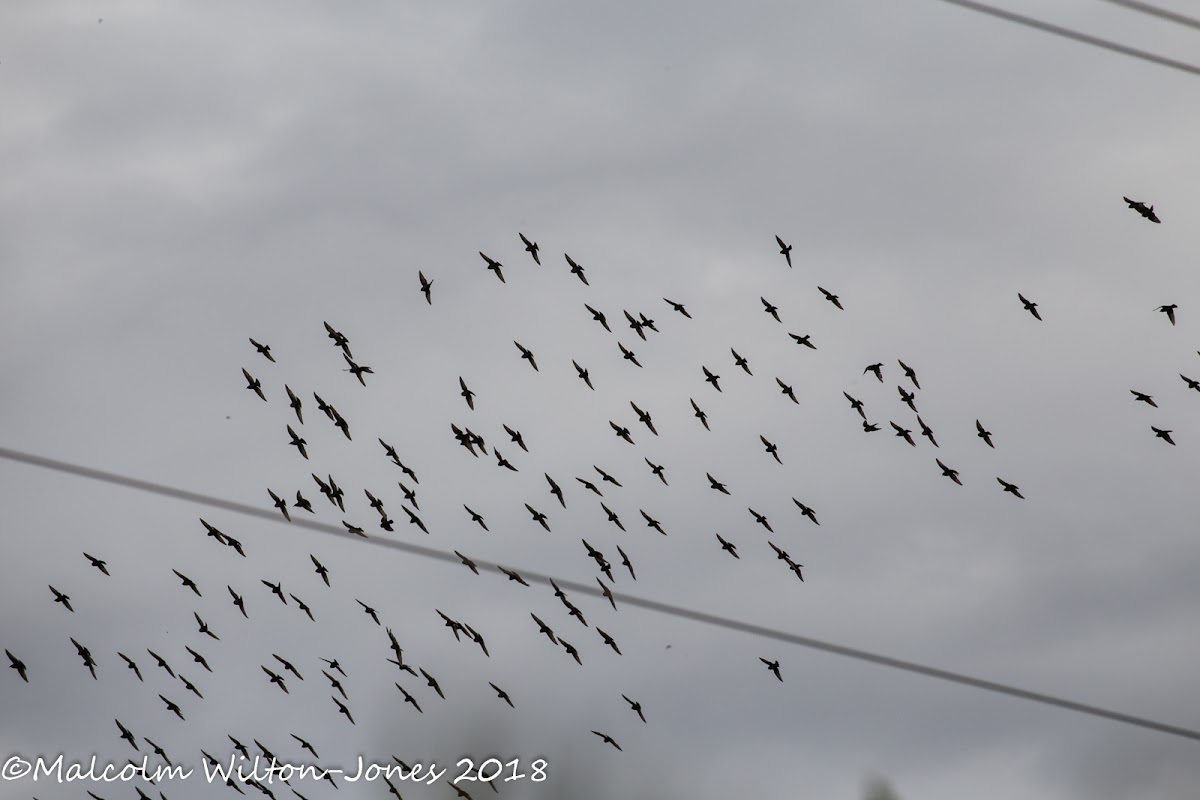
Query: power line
x=639, y=602
x=1068, y=33
x=1155, y=11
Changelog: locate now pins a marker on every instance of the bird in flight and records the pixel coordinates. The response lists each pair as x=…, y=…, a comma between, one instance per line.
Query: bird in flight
x=59, y=597
x=576, y=270
x=905, y=433
x=265, y=349
x=494, y=266
x=784, y=249
x=1029, y=306
x=18, y=665
x=709, y=377
x=426, y=287
x=831, y=297
x=806, y=511
x=909, y=373
x=772, y=448
x=770, y=309
x=599, y=317
x=1143, y=398
x=1192, y=384
x=467, y=394
x=1164, y=435
x=357, y=370
x=254, y=384
x=531, y=248
x=741, y=362
x=785, y=389
x=875, y=368
x=805, y=340
x=527, y=354
x=952, y=474
x=97, y=563
x=1143, y=209
x=728, y=547
x=1169, y=311
x=1011, y=488
x=702, y=416
x=628, y=355
x=678, y=307
x=983, y=434
x=583, y=375
x=715, y=484
x=773, y=666
x=608, y=739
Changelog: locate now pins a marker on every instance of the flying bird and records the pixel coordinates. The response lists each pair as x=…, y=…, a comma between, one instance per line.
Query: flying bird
x=426, y=287
x=702, y=416
x=476, y=518
x=875, y=368
x=831, y=297
x=299, y=444
x=1011, y=488
x=503, y=695
x=983, y=434
x=264, y=349
x=715, y=484
x=806, y=511
x=1164, y=435
x=905, y=433
x=773, y=666
x=785, y=389
x=635, y=706
x=576, y=269
x=188, y=582
x=494, y=266
x=784, y=249
x=608, y=739
x=527, y=355
x=643, y=417
x=18, y=665
x=254, y=384
x=1029, y=306
x=772, y=448
x=657, y=469
x=59, y=597
x=599, y=317
x=855, y=404
x=358, y=371
x=678, y=307
x=1191, y=384
x=1143, y=209
x=131, y=664
x=622, y=432
x=294, y=403
x=909, y=373
x=741, y=362
x=583, y=375
x=628, y=355
x=926, y=431
x=531, y=248
x=1169, y=311
x=805, y=340
x=102, y=565
x=770, y=309
x=709, y=377
x=728, y=547
x=952, y=474
x=1144, y=398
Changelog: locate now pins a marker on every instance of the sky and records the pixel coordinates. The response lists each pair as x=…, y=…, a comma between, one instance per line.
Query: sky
x=182, y=177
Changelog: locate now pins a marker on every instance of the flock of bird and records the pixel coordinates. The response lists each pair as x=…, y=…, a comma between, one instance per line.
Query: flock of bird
x=415, y=685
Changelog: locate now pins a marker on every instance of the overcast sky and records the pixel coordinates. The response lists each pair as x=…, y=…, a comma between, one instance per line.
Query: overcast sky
x=180, y=177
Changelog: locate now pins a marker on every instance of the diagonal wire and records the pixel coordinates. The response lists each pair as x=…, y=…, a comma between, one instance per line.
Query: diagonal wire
x=1068, y=33
x=639, y=602
x=1155, y=11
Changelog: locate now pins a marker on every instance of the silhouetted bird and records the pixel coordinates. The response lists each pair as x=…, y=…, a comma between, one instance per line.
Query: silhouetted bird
x=905, y=433
x=426, y=288
x=806, y=511
x=628, y=355
x=875, y=368
x=709, y=377
x=254, y=384
x=678, y=307
x=1169, y=311
x=983, y=434
x=770, y=309
x=805, y=340
x=831, y=297
x=503, y=695
x=608, y=739
x=773, y=666
x=785, y=250
x=1011, y=488
x=576, y=269
x=741, y=362
x=102, y=565
x=952, y=474
x=132, y=665
x=715, y=484
x=358, y=371
x=188, y=582
x=583, y=375
x=1029, y=306
x=909, y=373
x=785, y=389
x=1143, y=209
x=59, y=597
x=1144, y=398
x=527, y=355
x=18, y=665
x=531, y=248
x=728, y=547
x=1164, y=435
x=494, y=266
x=599, y=317
x=264, y=349
x=657, y=469
x=703, y=417
x=1192, y=384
